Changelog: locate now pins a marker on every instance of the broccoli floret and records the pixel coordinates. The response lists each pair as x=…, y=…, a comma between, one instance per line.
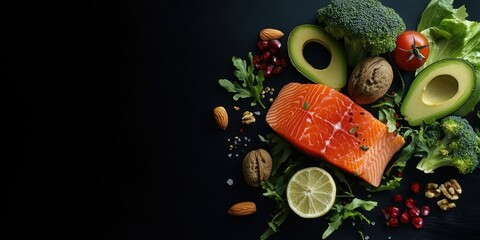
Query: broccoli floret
x=366, y=26
x=456, y=146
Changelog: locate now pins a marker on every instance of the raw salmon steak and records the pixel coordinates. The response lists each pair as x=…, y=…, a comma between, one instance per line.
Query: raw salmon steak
x=327, y=124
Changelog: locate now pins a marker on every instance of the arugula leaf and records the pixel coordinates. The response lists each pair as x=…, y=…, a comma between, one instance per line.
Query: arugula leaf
x=280, y=150
x=390, y=185
x=251, y=83
x=406, y=152
x=276, y=221
x=387, y=115
x=341, y=212
x=275, y=188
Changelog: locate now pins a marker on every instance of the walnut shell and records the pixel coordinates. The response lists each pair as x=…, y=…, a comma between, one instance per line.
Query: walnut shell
x=370, y=80
x=257, y=167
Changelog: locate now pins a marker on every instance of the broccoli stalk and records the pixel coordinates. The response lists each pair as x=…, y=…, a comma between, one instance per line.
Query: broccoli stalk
x=456, y=146
x=354, y=50
x=366, y=27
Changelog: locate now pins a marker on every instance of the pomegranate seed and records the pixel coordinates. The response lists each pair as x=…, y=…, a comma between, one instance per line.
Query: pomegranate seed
x=417, y=222
x=409, y=203
x=405, y=217
x=262, y=45
x=284, y=61
x=414, y=212
x=276, y=60
x=392, y=222
x=397, y=197
x=425, y=210
x=274, y=45
x=268, y=71
x=266, y=56
x=394, y=212
x=415, y=187
x=386, y=212
x=257, y=59
x=261, y=65
x=277, y=70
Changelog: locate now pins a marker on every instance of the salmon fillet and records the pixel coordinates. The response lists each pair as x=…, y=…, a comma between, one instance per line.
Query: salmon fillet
x=327, y=124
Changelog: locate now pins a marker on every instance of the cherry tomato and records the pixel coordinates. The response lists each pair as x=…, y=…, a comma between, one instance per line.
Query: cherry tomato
x=412, y=50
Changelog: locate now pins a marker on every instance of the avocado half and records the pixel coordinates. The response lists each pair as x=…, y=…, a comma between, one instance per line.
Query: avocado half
x=440, y=89
x=335, y=74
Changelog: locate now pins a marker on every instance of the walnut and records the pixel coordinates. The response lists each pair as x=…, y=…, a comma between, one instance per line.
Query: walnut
x=444, y=204
x=451, y=189
x=248, y=117
x=370, y=80
x=257, y=167
x=432, y=190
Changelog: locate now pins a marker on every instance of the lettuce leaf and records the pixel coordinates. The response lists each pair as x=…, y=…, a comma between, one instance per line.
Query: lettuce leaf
x=449, y=33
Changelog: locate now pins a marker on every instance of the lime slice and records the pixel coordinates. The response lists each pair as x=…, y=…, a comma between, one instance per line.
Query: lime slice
x=311, y=192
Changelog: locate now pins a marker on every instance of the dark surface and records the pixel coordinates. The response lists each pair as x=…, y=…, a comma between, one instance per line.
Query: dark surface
x=109, y=105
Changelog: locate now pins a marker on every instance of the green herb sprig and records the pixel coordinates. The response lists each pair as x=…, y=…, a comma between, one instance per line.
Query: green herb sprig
x=251, y=83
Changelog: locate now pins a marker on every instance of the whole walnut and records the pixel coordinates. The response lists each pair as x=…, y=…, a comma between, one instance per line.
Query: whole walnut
x=257, y=167
x=370, y=80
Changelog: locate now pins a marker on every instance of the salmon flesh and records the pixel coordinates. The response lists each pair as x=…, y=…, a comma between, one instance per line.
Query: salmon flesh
x=324, y=123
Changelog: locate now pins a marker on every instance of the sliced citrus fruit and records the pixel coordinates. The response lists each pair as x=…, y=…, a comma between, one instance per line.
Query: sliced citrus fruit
x=311, y=192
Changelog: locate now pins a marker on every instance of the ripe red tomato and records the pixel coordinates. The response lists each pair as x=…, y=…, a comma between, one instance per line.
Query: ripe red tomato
x=412, y=50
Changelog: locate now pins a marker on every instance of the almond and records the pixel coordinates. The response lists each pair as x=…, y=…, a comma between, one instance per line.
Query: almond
x=221, y=117
x=242, y=209
x=270, y=34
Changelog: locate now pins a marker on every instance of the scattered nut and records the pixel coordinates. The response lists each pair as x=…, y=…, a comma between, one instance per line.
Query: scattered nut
x=221, y=117
x=270, y=34
x=444, y=204
x=432, y=190
x=257, y=167
x=370, y=80
x=248, y=117
x=242, y=209
x=449, y=190
x=453, y=185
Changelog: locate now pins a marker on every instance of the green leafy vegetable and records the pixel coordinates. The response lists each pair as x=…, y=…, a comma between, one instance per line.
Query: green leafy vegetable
x=251, y=83
x=280, y=150
x=387, y=115
x=341, y=212
x=449, y=33
x=406, y=153
x=390, y=185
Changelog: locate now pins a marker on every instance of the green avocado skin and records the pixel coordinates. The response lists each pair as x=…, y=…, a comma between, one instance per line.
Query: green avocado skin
x=470, y=104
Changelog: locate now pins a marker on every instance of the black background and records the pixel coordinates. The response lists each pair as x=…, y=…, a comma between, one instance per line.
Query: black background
x=110, y=135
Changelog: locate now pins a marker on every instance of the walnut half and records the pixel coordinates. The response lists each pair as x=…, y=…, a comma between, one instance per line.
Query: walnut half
x=432, y=190
x=451, y=189
x=445, y=205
